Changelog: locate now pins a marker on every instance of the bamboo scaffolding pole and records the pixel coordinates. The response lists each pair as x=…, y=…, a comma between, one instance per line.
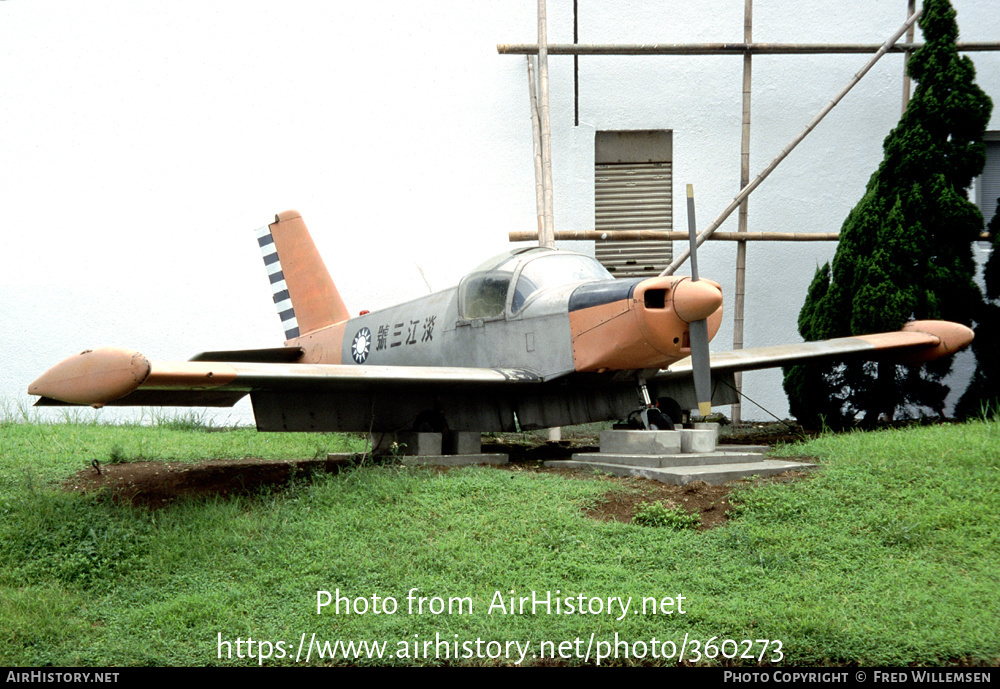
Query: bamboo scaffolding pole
x=746, y=191
x=548, y=239
x=664, y=235
x=911, y=7
x=741, y=248
x=546, y=132
x=537, y=145
x=728, y=48
x=576, y=65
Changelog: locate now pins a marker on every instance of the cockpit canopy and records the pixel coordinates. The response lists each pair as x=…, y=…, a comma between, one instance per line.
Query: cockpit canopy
x=512, y=278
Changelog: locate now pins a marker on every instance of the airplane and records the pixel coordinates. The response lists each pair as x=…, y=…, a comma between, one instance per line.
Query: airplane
x=534, y=338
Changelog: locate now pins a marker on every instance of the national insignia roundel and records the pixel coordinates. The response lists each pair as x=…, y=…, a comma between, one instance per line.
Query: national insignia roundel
x=362, y=345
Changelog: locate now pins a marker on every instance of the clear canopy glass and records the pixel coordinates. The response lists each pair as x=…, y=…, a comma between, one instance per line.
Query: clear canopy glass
x=483, y=292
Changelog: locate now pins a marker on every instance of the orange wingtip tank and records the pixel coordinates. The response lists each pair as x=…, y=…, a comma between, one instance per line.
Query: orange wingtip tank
x=953, y=337
x=94, y=377
x=940, y=338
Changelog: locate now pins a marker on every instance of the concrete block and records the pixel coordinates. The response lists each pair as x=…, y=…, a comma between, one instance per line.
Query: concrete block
x=708, y=426
x=697, y=440
x=409, y=443
x=743, y=448
x=463, y=443
x=609, y=458
x=682, y=475
x=672, y=460
x=641, y=442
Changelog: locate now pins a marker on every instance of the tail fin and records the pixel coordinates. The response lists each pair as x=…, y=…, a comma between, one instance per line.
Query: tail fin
x=304, y=293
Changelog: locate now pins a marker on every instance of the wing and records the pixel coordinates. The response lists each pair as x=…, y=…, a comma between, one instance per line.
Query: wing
x=917, y=342
x=289, y=396
x=121, y=377
x=293, y=396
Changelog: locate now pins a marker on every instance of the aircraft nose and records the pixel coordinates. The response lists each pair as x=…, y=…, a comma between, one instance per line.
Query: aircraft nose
x=695, y=301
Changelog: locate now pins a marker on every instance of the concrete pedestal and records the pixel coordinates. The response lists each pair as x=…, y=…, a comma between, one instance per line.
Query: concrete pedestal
x=676, y=457
x=641, y=442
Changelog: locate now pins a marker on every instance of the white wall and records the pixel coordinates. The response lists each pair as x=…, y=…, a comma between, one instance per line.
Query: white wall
x=141, y=144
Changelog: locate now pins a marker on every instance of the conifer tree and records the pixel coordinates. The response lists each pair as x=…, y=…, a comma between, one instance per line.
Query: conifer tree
x=905, y=250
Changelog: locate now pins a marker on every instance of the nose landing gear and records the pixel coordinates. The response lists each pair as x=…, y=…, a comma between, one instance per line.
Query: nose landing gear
x=653, y=419
x=650, y=417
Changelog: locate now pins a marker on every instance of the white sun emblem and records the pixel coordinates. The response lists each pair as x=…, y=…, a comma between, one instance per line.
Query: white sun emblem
x=361, y=345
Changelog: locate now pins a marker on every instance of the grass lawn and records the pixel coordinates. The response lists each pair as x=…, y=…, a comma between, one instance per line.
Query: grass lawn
x=888, y=555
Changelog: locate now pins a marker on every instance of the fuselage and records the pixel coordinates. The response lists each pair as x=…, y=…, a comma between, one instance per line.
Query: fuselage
x=548, y=311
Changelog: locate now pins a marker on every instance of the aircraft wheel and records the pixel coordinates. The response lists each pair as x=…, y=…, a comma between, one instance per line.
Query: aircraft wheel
x=669, y=406
x=658, y=421
x=634, y=421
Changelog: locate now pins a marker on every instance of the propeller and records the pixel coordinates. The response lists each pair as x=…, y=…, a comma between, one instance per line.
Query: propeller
x=698, y=329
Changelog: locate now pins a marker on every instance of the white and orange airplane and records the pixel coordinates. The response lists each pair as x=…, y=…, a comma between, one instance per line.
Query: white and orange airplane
x=534, y=338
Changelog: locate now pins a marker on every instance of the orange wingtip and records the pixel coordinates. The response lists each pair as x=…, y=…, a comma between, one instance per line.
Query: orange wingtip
x=953, y=337
x=94, y=377
x=943, y=338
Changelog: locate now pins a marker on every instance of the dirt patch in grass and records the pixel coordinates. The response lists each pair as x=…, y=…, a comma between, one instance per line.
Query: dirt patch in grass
x=157, y=484
x=529, y=450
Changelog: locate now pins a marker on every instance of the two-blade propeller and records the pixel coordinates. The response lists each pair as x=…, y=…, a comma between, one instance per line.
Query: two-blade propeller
x=694, y=302
x=698, y=329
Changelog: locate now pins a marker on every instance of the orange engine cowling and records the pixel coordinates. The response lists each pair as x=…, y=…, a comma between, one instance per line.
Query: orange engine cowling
x=647, y=330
